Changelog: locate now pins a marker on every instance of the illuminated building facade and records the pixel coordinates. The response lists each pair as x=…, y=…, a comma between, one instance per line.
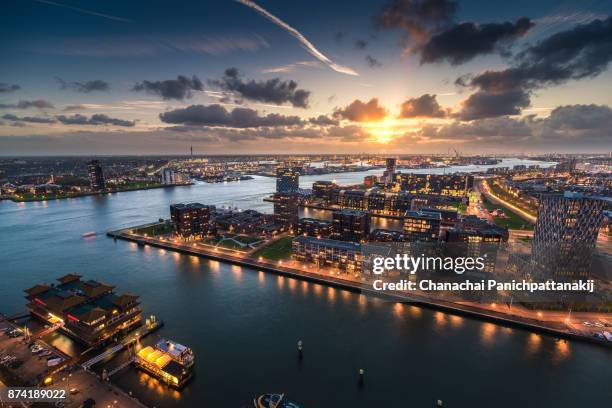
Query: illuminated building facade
x=323, y=190
x=96, y=176
x=288, y=179
x=566, y=232
x=351, y=225
x=312, y=227
x=474, y=243
x=286, y=206
x=191, y=220
x=88, y=311
x=345, y=256
x=422, y=226
x=454, y=185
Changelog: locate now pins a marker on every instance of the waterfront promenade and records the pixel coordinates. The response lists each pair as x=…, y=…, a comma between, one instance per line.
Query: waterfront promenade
x=553, y=323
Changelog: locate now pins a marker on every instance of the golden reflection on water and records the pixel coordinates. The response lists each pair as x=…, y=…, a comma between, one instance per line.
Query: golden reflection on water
x=318, y=289
x=440, y=319
x=280, y=281
x=415, y=311
x=456, y=321
x=237, y=270
x=194, y=260
x=331, y=294
x=362, y=301
x=562, y=350
x=305, y=287
x=176, y=256
x=214, y=266
x=487, y=333
x=398, y=310
x=261, y=277
x=152, y=384
x=162, y=251
x=533, y=343
x=292, y=285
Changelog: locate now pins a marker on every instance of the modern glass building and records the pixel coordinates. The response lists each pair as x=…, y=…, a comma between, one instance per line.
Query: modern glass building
x=96, y=176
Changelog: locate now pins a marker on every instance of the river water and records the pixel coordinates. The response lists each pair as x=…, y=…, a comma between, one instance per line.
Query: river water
x=243, y=325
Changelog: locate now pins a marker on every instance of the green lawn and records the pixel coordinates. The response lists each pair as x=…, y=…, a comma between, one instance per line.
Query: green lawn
x=512, y=220
x=246, y=239
x=279, y=249
x=155, y=230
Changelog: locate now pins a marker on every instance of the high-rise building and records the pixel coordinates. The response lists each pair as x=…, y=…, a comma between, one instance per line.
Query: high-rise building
x=191, y=220
x=351, y=225
x=286, y=207
x=390, y=167
x=422, y=226
x=169, y=176
x=474, y=243
x=565, y=234
x=288, y=179
x=96, y=176
x=323, y=190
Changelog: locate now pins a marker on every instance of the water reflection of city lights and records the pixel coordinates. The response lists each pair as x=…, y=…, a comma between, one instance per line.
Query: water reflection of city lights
x=562, y=350
x=533, y=343
x=487, y=332
x=440, y=319
x=415, y=311
x=456, y=321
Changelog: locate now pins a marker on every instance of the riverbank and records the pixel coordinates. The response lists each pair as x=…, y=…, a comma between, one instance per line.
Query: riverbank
x=91, y=193
x=556, y=328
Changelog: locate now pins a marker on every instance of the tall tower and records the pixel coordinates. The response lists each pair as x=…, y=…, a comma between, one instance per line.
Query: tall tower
x=566, y=234
x=288, y=179
x=96, y=176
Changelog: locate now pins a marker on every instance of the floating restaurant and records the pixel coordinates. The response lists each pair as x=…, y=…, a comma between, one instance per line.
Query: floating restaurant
x=167, y=361
x=88, y=311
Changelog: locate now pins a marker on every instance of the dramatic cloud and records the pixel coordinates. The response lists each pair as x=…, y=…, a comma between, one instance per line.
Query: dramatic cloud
x=581, y=117
x=6, y=88
x=502, y=129
x=582, y=52
x=359, y=111
x=483, y=104
x=179, y=88
x=97, y=119
x=324, y=120
x=273, y=90
x=418, y=19
x=28, y=119
x=303, y=41
x=38, y=103
x=85, y=87
x=425, y=106
x=372, y=62
x=217, y=115
x=465, y=41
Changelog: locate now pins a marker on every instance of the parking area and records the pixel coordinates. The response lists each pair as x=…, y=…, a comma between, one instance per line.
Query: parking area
x=22, y=363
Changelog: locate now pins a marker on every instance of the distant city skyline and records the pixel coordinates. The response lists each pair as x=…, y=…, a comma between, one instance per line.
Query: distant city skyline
x=268, y=76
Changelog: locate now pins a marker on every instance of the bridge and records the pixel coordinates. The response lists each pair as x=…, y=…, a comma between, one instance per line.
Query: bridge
x=86, y=365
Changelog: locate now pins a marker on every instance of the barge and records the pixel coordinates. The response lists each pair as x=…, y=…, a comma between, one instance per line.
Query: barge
x=168, y=361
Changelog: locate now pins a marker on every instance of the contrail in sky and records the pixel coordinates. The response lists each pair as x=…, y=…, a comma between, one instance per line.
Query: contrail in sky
x=80, y=10
x=305, y=43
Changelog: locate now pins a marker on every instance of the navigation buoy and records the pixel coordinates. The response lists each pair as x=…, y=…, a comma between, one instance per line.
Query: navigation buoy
x=300, y=349
x=361, y=375
x=439, y=403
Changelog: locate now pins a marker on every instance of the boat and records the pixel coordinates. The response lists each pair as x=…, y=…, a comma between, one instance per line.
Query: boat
x=54, y=361
x=168, y=361
x=273, y=401
x=89, y=234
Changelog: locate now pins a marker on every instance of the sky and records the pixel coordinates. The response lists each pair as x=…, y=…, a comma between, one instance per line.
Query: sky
x=96, y=77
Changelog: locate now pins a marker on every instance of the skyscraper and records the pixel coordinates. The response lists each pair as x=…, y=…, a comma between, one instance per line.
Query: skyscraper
x=286, y=209
x=288, y=179
x=96, y=176
x=566, y=233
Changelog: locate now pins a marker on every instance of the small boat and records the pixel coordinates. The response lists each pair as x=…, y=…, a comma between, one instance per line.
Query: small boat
x=89, y=234
x=273, y=401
